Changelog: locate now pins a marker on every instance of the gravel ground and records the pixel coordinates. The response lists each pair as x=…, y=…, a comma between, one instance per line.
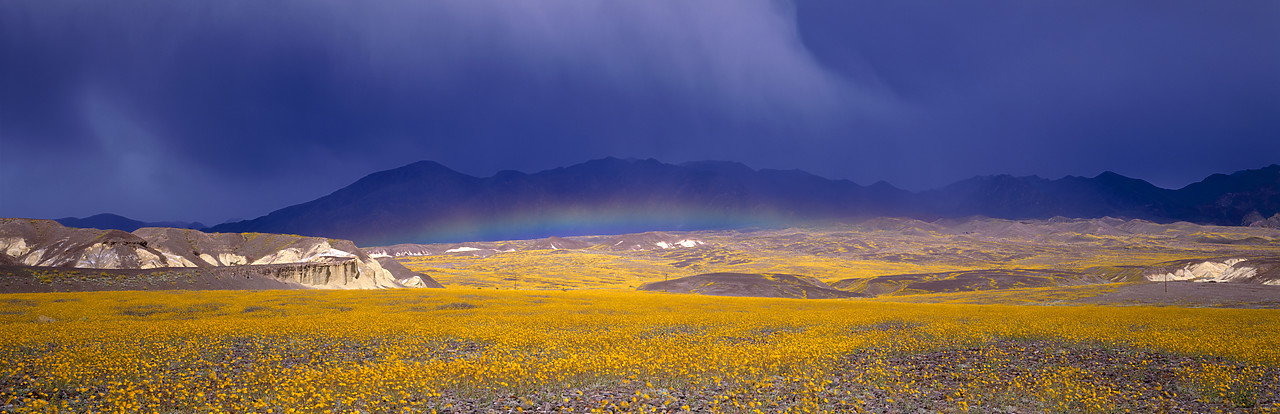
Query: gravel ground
x=1192, y=294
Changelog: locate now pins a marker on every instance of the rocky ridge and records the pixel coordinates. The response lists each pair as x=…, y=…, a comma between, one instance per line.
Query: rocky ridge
x=311, y=262
x=1264, y=271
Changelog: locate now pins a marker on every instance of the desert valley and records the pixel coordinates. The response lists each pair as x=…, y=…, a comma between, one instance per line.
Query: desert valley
x=879, y=314
x=639, y=206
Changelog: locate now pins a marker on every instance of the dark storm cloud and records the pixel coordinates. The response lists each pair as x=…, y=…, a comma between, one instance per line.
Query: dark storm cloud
x=181, y=110
x=311, y=95
x=1168, y=92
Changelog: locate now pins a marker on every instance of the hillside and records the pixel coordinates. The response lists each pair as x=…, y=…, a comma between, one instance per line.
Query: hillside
x=885, y=257
x=964, y=281
x=767, y=285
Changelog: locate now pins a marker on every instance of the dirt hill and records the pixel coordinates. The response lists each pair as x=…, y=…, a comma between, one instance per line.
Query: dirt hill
x=768, y=285
x=653, y=240
x=558, y=243
x=406, y=277
x=956, y=281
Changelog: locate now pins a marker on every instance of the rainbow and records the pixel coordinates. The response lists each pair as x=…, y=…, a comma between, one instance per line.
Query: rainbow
x=540, y=224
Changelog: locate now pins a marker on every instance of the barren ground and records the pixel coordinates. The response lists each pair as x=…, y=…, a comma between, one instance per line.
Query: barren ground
x=1191, y=294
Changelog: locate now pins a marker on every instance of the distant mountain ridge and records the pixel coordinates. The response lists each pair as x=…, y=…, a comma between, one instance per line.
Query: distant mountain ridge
x=1219, y=199
x=428, y=202
x=108, y=221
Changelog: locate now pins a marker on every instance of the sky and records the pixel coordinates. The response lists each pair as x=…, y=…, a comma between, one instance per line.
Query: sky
x=208, y=111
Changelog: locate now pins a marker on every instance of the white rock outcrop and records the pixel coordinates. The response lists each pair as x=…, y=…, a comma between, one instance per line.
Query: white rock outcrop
x=413, y=282
x=33, y=258
x=302, y=255
x=148, y=260
x=1229, y=270
x=310, y=261
x=14, y=246
x=174, y=260
x=681, y=243
x=100, y=256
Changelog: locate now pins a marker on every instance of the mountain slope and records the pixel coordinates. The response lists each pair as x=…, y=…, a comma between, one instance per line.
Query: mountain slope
x=1219, y=199
x=428, y=202
x=1004, y=196
x=1227, y=199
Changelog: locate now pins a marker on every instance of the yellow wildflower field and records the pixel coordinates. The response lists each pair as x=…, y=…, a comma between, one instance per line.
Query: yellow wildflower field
x=468, y=350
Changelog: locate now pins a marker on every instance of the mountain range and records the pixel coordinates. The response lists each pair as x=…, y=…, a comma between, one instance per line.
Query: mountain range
x=428, y=202
x=108, y=221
